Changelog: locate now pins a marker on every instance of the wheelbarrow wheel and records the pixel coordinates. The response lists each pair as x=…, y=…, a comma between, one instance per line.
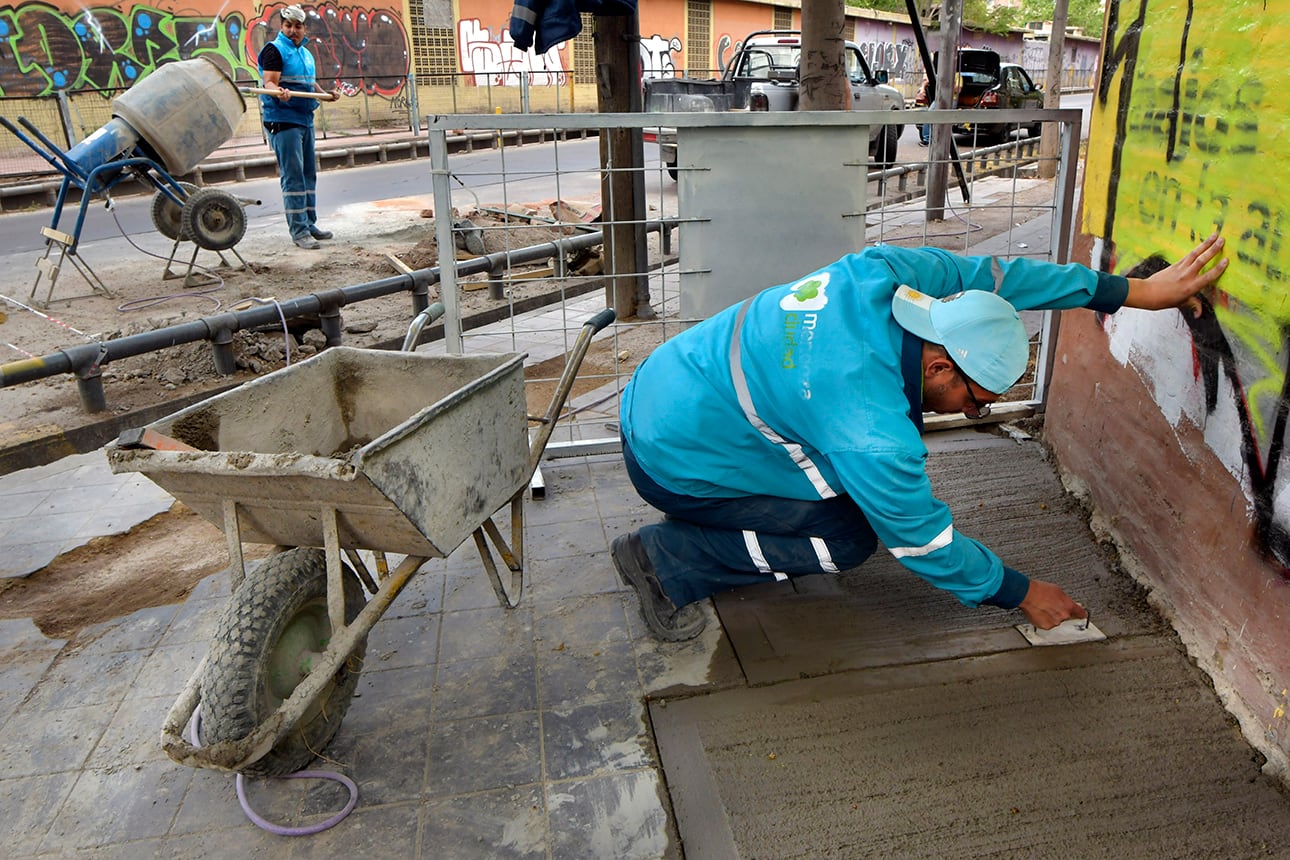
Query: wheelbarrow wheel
x=214, y=219
x=167, y=215
x=274, y=627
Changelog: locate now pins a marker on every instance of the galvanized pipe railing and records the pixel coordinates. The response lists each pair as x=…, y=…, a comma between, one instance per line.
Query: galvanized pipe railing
x=86, y=361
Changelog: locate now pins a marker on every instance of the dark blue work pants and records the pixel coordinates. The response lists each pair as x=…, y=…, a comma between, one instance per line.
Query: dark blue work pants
x=293, y=146
x=709, y=545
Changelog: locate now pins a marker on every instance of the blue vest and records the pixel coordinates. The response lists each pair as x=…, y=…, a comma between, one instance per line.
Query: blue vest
x=297, y=76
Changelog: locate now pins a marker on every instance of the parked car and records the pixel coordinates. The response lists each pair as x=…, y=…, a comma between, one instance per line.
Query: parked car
x=763, y=76
x=988, y=84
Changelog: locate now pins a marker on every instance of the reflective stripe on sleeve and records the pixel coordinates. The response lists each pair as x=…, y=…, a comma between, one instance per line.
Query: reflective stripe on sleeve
x=941, y=540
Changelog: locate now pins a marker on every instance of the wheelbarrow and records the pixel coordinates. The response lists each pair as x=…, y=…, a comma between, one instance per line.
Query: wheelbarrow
x=353, y=449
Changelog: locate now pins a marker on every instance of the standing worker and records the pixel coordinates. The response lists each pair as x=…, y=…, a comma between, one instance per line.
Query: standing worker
x=781, y=437
x=287, y=66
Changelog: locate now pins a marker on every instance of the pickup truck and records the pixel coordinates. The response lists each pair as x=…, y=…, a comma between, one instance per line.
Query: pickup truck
x=764, y=76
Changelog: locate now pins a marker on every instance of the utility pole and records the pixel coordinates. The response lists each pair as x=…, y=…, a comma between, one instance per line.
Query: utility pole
x=942, y=137
x=1053, y=89
x=823, y=83
x=622, y=167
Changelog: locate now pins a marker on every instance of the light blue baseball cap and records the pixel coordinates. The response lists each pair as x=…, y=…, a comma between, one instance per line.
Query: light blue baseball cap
x=980, y=330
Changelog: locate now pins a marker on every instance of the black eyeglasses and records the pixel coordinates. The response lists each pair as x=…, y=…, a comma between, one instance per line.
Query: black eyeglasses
x=982, y=409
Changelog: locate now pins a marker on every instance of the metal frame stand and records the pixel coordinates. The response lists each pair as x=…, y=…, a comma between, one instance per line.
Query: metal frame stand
x=48, y=268
x=199, y=280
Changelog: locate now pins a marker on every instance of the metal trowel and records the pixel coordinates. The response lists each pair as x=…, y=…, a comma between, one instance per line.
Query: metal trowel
x=1069, y=632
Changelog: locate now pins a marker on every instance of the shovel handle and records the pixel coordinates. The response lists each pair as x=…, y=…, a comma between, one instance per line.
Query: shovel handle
x=261, y=91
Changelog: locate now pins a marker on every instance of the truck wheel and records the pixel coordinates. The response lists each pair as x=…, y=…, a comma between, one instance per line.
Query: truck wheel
x=671, y=171
x=888, y=137
x=273, y=628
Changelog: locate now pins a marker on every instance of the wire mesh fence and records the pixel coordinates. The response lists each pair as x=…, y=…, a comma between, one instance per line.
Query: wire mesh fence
x=530, y=241
x=992, y=201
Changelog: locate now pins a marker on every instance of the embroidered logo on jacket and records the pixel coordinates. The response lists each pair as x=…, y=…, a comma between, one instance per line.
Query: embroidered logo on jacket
x=807, y=294
x=803, y=300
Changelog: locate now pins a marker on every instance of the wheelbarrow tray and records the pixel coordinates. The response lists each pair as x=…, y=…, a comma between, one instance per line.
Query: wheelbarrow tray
x=350, y=430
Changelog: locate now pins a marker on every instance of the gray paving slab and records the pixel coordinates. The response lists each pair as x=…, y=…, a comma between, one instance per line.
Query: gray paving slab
x=63, y=505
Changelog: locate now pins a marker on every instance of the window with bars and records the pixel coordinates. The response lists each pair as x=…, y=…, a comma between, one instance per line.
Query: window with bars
x=434, y=49
x=783, y=18
x=698, y=37
x=584, y=51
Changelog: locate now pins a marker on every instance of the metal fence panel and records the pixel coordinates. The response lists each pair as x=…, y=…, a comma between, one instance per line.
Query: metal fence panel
x=1007, y=211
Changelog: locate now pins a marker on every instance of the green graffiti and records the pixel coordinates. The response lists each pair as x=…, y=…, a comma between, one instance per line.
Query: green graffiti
x=44, y=49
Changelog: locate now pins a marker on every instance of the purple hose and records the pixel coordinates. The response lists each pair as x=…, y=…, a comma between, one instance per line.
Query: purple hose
x=194, y=726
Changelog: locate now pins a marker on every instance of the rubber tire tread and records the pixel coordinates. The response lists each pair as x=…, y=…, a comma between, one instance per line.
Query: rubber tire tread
x=195, y=228
x=168, y=220
x=885, y=154
x=232, y=687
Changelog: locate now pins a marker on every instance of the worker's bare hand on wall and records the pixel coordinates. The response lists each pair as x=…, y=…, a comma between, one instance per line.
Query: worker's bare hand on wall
x=1177, y=286
x=1046, y=605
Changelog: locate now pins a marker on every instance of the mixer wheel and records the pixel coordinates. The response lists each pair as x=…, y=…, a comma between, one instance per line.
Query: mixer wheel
x=167, y=215
x=214, y=219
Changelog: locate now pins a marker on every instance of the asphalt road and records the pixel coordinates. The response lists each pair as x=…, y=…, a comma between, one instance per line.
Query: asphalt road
x=531, y=172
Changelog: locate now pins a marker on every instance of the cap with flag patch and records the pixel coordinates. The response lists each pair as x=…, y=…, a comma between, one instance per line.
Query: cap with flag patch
x=980, y=330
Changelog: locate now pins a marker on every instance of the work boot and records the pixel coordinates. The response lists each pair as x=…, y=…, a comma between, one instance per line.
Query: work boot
x=309, y=243
x=661, y=616
x=319, y=233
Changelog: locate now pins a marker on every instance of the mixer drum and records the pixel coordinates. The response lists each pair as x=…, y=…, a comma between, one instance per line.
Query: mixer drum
x=183, y=111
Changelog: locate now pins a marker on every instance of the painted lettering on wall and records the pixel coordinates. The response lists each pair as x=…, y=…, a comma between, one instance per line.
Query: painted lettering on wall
x=497, y=62
x=44, y=49
x=1186, y=139
x=656, y=56
x=900, y=59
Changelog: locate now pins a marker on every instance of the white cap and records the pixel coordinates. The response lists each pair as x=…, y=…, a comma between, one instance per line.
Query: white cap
x=980, y=330
x=293, y=13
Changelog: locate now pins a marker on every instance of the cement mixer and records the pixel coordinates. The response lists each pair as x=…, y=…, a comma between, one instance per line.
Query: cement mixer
x=162, y=127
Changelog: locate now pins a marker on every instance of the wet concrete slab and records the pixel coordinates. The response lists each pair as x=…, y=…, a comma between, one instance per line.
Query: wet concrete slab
x=1003, y=493
x=885, y=719
x=1115, y=750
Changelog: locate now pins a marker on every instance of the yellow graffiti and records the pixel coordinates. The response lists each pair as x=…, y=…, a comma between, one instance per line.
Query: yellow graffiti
x=1186, y=137
x=1200, y=143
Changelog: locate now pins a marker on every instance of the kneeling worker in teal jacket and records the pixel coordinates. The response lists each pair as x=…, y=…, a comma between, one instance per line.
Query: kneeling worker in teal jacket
x=782, y=437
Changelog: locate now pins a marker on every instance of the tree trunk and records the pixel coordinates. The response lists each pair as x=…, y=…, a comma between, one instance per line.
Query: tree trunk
x=1053, y=90
x=622, y=161
x=823, y=84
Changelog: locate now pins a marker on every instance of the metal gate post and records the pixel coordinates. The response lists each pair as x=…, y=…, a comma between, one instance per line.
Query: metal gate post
x=443, y=237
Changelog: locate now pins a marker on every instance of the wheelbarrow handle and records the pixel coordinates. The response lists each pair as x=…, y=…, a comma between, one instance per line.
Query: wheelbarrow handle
x=419, y=322
x=600, y=320
x=565, y=384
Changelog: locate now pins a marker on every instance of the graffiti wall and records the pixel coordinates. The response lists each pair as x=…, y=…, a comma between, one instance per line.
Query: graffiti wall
x=1184, y=123
x=48, y=47
x=1176, y=422
x=892, y=45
